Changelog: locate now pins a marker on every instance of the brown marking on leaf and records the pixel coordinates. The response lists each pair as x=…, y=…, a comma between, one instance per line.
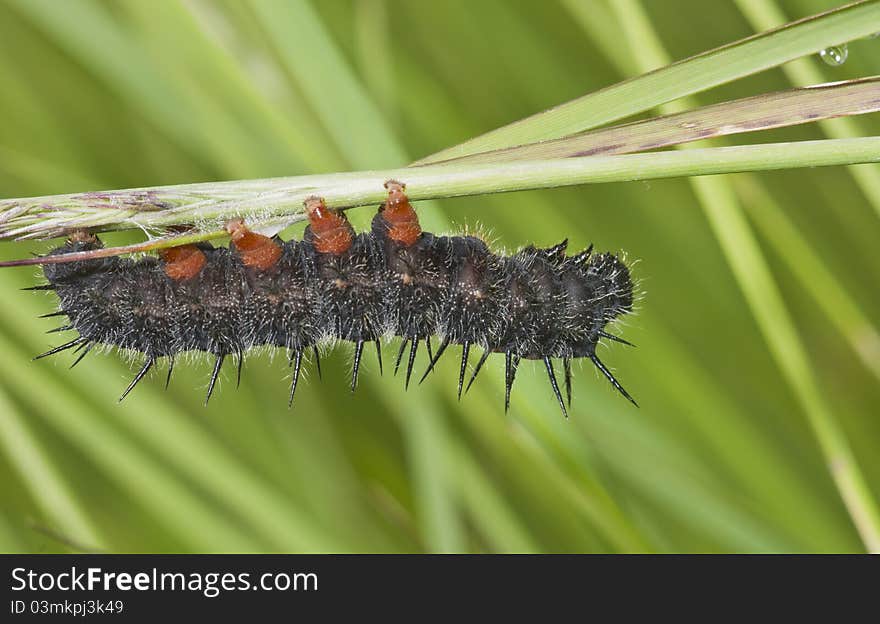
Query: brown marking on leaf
x=760, y=123
x=601, y=149
x=143, y=200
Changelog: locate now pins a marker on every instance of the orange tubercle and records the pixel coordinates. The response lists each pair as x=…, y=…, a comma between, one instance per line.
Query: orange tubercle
x=182, y=263
x=82, y=236
x=331, y=231
x=398, y=213
x=255, y=250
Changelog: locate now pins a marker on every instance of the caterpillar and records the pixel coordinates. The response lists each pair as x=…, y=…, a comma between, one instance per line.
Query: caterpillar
x=536, y=304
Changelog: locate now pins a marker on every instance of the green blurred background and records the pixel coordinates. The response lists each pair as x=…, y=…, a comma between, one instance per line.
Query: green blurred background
x=720, y=457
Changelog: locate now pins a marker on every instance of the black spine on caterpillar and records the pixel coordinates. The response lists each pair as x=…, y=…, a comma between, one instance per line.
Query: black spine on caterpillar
x=536, y=304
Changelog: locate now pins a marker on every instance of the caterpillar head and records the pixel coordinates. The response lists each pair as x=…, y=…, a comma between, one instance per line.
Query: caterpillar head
x=611, y=284
x=600, y=289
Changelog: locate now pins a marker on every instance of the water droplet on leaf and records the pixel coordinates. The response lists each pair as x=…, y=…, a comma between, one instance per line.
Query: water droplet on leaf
x=834, y=55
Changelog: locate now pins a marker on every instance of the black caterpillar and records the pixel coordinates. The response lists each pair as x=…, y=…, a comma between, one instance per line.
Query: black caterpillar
x=536, y=304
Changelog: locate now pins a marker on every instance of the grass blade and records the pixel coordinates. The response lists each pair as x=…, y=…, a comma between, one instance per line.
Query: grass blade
x=348, y=113
x=45, y=217
x=751, y=114
x=763, y=14
x=693, y=75
x=763, y=297
x=844, y=313
x=49, y=487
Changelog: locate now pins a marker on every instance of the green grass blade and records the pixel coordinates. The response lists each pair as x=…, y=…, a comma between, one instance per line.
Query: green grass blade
x=753, y=275
x=89, y=34
x=202, y=67
x=58, y=501
x=813, y=275
x=430, y=460
x=282, y=198
x=598, y=21
x=149, y=482
x=751, y=114
x=686, y=77
x=344, y=107
x=765, y=14
x=779, y=332
x=376, y=64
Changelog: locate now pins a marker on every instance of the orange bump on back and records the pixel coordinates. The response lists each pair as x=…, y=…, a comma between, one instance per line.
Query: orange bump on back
x=403, y=223
x=183, y=262
x=331, y=231
x=255, y=250
x=82, y=236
